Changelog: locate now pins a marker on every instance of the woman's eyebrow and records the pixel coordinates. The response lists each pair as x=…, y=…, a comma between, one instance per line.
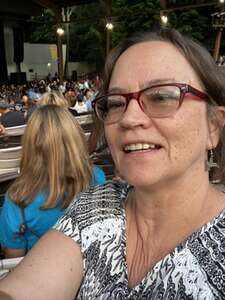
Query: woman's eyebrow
x=148, y=83
x=116, y=90
x=157, y=81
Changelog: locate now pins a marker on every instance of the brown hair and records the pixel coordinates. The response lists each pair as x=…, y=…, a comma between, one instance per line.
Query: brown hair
x=54, y=159
x=202, y=63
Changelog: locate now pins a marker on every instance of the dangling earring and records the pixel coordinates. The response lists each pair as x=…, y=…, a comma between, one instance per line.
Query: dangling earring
x=210, y=163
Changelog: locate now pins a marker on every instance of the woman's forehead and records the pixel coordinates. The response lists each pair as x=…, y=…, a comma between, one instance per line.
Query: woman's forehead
x=149, y=61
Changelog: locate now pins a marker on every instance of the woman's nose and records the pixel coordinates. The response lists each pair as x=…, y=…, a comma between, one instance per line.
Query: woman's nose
x=134, y=115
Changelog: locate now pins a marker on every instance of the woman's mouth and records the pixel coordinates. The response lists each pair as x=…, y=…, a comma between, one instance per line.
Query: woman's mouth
x=140, y=147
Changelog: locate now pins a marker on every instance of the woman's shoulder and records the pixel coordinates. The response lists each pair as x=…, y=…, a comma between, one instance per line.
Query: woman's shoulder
x=107, y=193
x=98, y=202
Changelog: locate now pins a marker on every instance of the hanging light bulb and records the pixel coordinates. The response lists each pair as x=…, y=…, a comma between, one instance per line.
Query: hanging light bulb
x=60, y=31
x=164, y=19
x=109, y=26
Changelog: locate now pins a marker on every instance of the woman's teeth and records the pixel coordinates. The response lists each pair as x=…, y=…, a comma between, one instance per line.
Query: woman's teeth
x=140, y=146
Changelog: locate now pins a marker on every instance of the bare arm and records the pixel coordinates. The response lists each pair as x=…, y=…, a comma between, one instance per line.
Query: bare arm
x=52, y=270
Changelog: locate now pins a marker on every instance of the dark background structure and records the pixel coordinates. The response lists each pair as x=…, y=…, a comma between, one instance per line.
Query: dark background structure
x=89, y=39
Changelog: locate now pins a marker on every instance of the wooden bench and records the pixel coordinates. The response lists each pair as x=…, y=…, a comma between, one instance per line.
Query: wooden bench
x=12, y=138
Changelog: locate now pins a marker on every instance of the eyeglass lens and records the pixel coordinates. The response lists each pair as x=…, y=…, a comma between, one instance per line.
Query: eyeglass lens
x=156, y=102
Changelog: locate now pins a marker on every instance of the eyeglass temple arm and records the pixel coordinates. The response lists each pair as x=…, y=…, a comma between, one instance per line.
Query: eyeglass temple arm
x=196, y=92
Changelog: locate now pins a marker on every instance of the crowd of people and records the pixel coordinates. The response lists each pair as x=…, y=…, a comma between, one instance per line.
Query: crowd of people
x=17, y=102
x=159, y=233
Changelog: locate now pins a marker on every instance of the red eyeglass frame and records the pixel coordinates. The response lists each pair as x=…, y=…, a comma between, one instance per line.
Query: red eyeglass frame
x=184, y=89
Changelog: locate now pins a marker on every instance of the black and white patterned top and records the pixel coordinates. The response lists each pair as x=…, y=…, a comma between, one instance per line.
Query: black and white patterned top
x=193, y=270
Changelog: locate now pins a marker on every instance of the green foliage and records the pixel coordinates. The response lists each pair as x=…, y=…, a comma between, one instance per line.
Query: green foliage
x=132, y=16
x=87, y=33
x=42, y=29
x=191, y=22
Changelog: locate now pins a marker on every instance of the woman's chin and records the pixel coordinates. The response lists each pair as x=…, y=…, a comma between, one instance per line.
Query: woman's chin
x=141, y=181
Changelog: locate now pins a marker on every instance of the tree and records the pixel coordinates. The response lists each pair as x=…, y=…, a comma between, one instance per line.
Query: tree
x=41, y=29
x=88, y=33
x=130, y=16
x=191, y=22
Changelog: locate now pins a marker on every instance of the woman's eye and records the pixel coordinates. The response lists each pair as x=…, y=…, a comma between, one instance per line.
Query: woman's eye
x=160, y=96
x=163, y=96
x=115, y=104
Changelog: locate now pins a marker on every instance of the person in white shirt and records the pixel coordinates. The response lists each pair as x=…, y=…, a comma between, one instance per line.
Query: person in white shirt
x=81, y=106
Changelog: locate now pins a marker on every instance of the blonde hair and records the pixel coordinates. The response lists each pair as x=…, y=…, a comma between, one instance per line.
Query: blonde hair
x=53, y=98
x=54, y=159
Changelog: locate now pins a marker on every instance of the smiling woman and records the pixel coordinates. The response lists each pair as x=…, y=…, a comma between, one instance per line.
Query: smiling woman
x=160, y=233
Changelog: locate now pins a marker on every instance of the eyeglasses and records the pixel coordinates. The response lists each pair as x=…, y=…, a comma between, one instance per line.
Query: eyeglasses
x=156, y=101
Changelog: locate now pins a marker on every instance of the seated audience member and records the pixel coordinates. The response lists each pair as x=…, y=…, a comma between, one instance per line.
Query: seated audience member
x=29, y=106
x=54, y=167
x=35, y=97
x=10, y=118
x=57, y=99
x=89, y=96
x=72, y=100
x=80, y=105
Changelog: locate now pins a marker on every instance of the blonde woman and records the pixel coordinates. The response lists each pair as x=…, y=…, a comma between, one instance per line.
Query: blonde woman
x=56, y=98
x=54, y=167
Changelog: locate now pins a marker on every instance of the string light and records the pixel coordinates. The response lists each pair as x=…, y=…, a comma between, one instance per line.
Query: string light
x=60, y=31
x=109, y=26
x=164, y=19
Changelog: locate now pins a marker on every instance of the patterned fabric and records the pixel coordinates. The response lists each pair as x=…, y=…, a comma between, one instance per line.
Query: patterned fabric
x=96, y=221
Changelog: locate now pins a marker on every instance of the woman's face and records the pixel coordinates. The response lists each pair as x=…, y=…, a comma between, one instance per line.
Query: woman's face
x=181, y=140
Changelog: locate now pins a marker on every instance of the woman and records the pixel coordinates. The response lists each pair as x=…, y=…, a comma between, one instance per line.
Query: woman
x=54, y=167
x=55, y=98
x=161, y=235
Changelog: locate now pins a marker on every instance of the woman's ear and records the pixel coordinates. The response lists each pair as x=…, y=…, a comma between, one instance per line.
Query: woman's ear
x=215, y=124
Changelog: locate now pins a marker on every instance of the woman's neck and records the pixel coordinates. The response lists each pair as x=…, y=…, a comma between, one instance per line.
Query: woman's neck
x=178, y=202
x=158, y=222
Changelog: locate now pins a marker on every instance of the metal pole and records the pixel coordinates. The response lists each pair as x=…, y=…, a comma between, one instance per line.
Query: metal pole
x=60, y=58
x=217, y=44
x=108, y=38
x=67, y=49
x=66, y=18
x=108, y=32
